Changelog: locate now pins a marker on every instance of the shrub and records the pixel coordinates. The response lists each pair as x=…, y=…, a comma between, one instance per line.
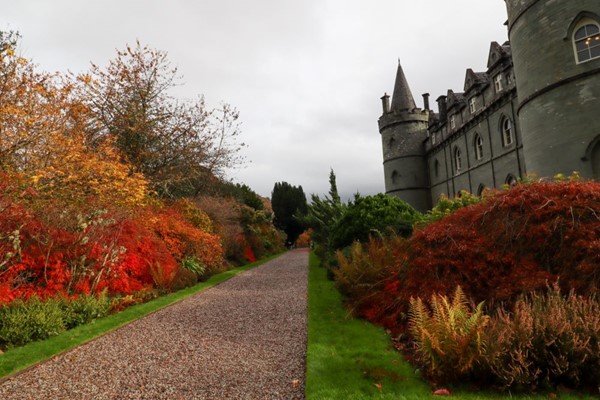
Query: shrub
x=183, y=278
x=84, y=309
x=194, y=265
x=373, y=214
x=304, y=239
x=446, y=206
x=547, y=340
x=24, y=321
x=361, y=273
x=450, y=339
x=511, y=243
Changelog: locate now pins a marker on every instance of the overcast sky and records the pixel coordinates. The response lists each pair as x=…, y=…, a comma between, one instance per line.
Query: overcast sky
x=306, y=75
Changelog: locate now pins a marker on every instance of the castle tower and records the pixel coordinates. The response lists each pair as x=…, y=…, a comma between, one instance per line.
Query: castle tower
x=556, y=54
x=403, y=129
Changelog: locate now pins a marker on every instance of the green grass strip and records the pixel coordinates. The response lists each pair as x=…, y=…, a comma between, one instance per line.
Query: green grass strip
x=347, y=357
x=20, y=358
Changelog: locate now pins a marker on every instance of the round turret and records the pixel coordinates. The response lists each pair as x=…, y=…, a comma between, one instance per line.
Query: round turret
x=556, y=55
x=403, y=129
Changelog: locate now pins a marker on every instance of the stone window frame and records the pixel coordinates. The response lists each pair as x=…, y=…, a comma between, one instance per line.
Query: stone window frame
x=457, y=160
x=507, y=131
x=583, y=25
x=452, y=122
x=394, y=176
x=478, y=146
x=498, y=83
x=473, y=104
x=436, y=168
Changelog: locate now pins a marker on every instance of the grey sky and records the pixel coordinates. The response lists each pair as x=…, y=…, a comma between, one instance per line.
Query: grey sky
x=306, y=75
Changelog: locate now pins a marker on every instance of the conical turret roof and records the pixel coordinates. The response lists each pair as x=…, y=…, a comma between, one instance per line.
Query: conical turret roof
x=402, y=98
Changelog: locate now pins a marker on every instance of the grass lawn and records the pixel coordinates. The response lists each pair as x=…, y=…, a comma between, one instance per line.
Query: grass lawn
x=20, y=358
x=353, y=359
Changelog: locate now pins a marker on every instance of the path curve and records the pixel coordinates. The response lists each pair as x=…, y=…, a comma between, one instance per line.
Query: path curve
x=242, y=339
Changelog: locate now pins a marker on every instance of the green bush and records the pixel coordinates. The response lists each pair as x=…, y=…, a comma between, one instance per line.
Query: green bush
x=194, y=265
x=22, y=322
x=447, y=206
x=84, y=309
x=546, y=341
x=378, y=214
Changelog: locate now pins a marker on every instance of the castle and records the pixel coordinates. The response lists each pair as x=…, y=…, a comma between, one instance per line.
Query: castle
x=535, y=110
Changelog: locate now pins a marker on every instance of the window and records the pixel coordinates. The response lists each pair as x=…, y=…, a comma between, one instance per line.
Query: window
x=480, y=189
x=452, y=122
x=587, y=40
x=433, y=139
x=478, y=144
x=473, y=105
x=457, y=160
x=507, y=132
x=510, y=180
x=498, y=83
x=391, y=143
x=394, y=176
x=436, y=168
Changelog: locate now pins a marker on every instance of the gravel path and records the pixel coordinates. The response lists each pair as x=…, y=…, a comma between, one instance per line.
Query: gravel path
x=242, y=339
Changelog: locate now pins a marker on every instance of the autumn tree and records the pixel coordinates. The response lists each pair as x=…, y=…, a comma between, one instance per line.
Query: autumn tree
x=288, y=202
x=179, y=146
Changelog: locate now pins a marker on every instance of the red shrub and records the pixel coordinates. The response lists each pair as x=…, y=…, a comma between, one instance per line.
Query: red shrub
x=182, y=239
x=514, y=242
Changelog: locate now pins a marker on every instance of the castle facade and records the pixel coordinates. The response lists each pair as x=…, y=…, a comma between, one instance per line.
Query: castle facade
x=535, y=110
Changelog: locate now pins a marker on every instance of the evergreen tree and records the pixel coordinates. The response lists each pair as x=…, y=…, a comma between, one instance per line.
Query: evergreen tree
x=322, y=215
x=288, y=202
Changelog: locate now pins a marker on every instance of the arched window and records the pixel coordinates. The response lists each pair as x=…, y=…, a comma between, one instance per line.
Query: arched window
x=457, y=160
x=478, y=144
x=586, y=40
x=480, y=189
x=510, y=180
x=507, y=132
x=394, y=176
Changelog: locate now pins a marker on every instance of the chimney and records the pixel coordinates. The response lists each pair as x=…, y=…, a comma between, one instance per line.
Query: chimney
x=442, y=107
x=426, y=101
x=385, y=103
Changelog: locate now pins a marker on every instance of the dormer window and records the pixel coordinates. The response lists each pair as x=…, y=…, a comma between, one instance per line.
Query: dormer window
x=452, y=122
x=473, y=105
x=586, y=40
x=498, y=83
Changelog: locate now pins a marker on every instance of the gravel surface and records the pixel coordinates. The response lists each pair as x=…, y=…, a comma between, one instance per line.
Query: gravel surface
x=242, y=339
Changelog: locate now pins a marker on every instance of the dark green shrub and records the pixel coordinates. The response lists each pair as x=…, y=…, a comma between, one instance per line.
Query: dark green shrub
x=22, y=322
x=378, y=214
x=84, y=309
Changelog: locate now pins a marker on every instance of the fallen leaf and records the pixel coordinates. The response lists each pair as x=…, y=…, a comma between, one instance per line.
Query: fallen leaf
x=442, y=392
x=295, y=383
x=378, y=386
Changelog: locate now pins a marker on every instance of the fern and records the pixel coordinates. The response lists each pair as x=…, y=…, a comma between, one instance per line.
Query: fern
x=449, y=339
